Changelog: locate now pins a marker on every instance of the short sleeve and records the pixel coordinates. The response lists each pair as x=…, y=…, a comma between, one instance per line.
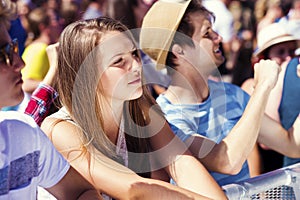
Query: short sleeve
x=53, y=166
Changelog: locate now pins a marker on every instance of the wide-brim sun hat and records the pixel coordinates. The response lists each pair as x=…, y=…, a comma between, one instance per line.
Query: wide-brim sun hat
x=159, y=27
x=270, y=35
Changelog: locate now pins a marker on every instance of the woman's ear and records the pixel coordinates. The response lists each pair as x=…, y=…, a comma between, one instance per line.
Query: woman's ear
x=177, y=50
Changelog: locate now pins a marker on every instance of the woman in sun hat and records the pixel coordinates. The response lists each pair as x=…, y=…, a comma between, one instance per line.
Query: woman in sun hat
x=276, y=43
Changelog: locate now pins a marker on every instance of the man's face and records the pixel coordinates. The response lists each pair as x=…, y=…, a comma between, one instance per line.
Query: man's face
x=10, y=71
x=206, y=55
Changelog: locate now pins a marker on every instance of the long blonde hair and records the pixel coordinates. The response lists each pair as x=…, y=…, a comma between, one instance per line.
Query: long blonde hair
x=81, y=95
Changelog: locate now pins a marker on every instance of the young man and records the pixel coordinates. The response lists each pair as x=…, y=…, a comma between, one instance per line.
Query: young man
x=27, y=157
x=217, y=120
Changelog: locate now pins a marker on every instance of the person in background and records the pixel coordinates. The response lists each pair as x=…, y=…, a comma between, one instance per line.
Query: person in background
x=267, y=12
x=35, y=56
x=95, y=8
x=245, y=29
x=273, y=42
x=289, y=107
x=69, y=12
x=182, y=39
x=130, y=13
x=291, y=20
x=17, y=30
x=108, y=116
x=27, y=155
x=44, y=96
x=24, y=7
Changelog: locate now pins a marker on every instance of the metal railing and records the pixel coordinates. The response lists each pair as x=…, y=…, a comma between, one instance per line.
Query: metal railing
x=283, y=184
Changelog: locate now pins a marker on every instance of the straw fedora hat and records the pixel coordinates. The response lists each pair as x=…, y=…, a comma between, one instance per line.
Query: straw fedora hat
x=270, y=35
x=159, y=26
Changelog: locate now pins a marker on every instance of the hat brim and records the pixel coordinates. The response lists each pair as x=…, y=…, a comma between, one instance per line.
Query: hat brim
x=159, y=27
x=286, y=38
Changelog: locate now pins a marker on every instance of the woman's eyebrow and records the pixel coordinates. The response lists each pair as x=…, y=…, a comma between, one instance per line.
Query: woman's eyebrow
x=121, y=53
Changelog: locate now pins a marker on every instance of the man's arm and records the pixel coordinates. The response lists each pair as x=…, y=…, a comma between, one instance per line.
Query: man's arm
x=229, y=155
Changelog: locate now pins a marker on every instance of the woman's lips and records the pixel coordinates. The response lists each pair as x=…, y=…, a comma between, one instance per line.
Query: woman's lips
x=135, y=81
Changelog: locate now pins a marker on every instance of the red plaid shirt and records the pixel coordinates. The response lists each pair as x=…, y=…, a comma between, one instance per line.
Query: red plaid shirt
x=40, y=102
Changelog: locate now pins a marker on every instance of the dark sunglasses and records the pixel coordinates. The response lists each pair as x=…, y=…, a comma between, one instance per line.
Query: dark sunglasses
x=7, y=52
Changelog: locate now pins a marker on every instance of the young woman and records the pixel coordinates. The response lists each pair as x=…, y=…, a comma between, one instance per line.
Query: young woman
x=131, y=14
x=108, y=115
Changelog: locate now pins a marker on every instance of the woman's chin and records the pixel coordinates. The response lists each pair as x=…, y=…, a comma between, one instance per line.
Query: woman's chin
x=136, y=94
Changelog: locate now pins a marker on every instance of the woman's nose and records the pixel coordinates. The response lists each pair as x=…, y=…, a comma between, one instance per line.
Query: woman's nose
x=135, y=66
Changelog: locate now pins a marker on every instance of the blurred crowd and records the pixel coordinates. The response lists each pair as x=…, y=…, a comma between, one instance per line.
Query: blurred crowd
x=249, y=31
x=238, y=22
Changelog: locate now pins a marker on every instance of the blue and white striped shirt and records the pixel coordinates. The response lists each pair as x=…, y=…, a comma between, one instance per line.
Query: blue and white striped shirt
x=213, y=118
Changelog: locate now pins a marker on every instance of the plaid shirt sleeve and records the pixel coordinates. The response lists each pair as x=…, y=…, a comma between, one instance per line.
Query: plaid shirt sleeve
x=40, y=102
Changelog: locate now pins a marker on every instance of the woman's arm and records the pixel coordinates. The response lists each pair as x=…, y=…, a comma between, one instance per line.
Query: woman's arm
x=106, y=175
x=40, y=102
x=181, y=165
x=74, y=186
x=44, y=95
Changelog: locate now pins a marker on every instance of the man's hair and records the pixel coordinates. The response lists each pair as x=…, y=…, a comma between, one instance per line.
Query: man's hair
x=8, y=12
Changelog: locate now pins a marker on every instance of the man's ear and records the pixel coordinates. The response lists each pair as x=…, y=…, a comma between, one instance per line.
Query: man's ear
x=177, y=50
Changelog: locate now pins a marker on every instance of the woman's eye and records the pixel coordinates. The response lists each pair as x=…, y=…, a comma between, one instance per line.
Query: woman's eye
x=206, y=34
x=136, y=54
x=118, y=62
